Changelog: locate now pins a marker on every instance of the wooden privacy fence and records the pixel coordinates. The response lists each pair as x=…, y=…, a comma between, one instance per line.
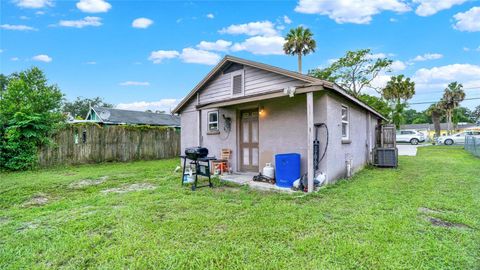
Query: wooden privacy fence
x=79, y=144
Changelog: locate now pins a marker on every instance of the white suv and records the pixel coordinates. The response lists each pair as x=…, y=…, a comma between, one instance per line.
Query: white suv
x=458, y=138
x=411, y=136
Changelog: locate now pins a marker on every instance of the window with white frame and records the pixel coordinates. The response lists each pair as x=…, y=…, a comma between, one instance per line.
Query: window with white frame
x=213, y=121
x=345, y=123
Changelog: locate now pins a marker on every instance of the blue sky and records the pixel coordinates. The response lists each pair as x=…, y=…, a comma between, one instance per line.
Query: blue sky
x=149, y=54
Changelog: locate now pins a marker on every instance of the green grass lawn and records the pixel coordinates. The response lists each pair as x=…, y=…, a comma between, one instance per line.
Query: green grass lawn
x=379, y=219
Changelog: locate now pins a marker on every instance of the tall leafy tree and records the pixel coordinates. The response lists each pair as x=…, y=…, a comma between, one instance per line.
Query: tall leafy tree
x=397, y=91
x=476, y=114
x=436, y=112
x=377, y=103
x=452, y=96
x=299, y=41
x=354, y=71
x=462, y=114
x=79, y=108
x=413, y=116
x=29, y=114
x=3, y=84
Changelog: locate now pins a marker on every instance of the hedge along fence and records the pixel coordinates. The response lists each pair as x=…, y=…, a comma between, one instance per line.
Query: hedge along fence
x=91, y=143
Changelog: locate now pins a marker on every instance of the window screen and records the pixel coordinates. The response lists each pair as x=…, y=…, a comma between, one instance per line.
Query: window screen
x=237, y=87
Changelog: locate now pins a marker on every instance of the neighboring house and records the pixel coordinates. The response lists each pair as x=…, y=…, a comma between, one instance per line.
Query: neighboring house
x=258, y=111
x=429, y=129
x=109, y=116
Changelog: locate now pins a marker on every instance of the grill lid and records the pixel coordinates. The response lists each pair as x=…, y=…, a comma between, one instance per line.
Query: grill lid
x=196, y=152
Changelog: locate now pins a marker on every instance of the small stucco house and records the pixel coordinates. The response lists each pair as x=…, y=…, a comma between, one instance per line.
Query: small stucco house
x=258, y=111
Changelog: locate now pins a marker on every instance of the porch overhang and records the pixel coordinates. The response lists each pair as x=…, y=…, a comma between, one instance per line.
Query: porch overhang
x=258, y=97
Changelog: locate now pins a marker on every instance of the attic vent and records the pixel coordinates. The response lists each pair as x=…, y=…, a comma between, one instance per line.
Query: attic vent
x=237, y=86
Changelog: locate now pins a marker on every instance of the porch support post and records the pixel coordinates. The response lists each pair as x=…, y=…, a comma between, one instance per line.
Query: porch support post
x=199, y=123
x=310, y=139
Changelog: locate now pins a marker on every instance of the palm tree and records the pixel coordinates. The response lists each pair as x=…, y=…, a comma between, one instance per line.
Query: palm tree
x=436, y=112
x=299, y=41
x=397, y=91
x=452, y=97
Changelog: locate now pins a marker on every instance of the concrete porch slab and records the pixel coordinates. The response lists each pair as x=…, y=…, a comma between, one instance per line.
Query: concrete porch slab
x=245, y=179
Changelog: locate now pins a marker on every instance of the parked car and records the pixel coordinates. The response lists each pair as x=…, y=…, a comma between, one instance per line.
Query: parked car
x=458, y=138
x=411, y=136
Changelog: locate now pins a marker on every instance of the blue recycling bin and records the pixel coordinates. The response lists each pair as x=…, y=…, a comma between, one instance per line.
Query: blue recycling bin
x=287, y=169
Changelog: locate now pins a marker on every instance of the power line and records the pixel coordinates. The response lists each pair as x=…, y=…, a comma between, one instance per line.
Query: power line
x=441, y=91
x=432, y=102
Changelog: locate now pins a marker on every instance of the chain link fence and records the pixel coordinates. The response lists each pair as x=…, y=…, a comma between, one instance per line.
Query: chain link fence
x=472, y=145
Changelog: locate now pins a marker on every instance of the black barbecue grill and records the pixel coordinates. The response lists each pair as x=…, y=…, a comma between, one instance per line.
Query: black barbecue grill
x=201, y=164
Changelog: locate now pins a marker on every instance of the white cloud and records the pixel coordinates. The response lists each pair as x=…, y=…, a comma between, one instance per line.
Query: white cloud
x=219, y=45
x=468, y=21
x=398, y=66
x=24, y=18
x=261, y=45
x=286, y=19
x=42, y=58
x=210, y=16
x=379, y=82
x=93, y=6
x=376, y=55
x=91, y=63
x=17, y=27
x=351, y=11
x=14, y=59
x=430, y=7
x=191, y=55
x=454, y=72
x=40, y=12
x=157, y=56
x=430, y=83
x=393, y=20
x=87, y=21
x=134, y=83
x=265, y=28
x=1, y=51
x=427, y=56
x=162, y=105
x=142, y=23
x=33, y=3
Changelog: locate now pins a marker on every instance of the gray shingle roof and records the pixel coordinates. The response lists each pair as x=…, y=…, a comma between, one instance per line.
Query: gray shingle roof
x=117, y=116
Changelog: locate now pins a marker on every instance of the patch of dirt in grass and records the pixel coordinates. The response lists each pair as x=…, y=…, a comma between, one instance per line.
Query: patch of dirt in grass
x=130, y=188
x=426, y=210
x=37, y=200
x=226, y=188
x=28, y=226
x=446, y=224
x=88, y=182
x=4, y=220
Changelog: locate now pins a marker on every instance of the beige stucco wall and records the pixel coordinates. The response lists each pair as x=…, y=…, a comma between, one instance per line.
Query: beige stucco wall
x=224, y=140
x=338, y=152
x=283, y=129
